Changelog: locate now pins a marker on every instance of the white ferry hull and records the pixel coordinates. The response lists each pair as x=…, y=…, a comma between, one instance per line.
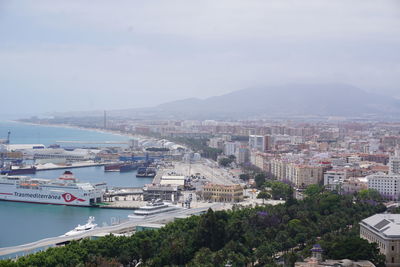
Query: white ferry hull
x=48, y=193
x=68, y=199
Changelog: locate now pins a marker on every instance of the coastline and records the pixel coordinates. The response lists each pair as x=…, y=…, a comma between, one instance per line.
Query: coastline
x=113, y=132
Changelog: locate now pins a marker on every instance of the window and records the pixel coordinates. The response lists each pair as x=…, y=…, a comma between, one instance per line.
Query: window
x=392, y=248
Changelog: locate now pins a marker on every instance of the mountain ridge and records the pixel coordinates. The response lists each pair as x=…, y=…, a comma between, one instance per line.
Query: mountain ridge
x=328, y=99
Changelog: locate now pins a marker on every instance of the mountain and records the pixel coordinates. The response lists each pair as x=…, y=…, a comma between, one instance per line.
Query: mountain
x=286, y=100
x=292, y=100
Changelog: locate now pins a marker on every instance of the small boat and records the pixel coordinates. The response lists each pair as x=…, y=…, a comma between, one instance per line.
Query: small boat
x=18, y=170
x=90, y=225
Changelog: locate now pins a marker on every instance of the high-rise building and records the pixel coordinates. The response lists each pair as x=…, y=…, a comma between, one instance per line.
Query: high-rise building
x=230, y=148
x=394, y=164
x=242, y=155
x=261, y=143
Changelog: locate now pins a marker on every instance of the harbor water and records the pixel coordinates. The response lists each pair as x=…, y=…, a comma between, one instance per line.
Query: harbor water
x=23, y=222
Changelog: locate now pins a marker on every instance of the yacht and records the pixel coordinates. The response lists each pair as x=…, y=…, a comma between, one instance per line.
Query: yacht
x=153, y=207
x=90, y=225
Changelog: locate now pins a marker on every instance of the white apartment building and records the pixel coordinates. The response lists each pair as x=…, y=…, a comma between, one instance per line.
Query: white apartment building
x=384, y=230
x=230, y=148
x=242, y=155
x=394, y=165
x=216, y=142
x=387, y=185
x=278, y=169
x=334, y=179
x=261, y=160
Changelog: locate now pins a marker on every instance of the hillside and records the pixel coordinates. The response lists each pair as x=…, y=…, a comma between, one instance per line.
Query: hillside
x=300, y=100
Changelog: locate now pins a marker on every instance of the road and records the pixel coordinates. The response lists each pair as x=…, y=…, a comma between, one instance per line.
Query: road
x=210, y=171
x=123, y=227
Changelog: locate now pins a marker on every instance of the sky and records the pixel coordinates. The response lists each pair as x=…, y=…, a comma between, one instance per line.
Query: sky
x=102, y=55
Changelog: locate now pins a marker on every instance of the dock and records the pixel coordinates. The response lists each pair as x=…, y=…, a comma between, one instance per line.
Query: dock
x=124, y=227
x=52, y=166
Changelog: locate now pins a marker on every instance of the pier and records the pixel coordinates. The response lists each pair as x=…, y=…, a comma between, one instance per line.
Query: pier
x=52, y=166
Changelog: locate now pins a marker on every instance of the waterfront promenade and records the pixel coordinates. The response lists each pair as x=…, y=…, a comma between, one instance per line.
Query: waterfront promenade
x=124, y=227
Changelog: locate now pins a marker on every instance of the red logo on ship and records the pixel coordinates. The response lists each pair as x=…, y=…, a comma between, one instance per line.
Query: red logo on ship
x=69, y=197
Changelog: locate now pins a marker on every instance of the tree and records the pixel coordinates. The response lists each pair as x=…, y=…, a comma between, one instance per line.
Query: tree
x=225, y=161
x=244, y=176
x=369, y=194
x=263, y=195
x=260, y=180
x=280, y=190
x=354, y=248
x=244, y=236
x=313, y=190
x=232, y=157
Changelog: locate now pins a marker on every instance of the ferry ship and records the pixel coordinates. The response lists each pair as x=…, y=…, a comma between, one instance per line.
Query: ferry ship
x=66, y=190
x=152, y=208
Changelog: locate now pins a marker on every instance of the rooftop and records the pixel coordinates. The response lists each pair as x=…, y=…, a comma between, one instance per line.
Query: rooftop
x=387, y=225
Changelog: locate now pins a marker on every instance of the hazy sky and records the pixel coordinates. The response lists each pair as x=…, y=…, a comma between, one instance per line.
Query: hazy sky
x=84, y=55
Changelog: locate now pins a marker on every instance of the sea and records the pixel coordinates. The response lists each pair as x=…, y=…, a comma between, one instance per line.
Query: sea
x=22, y=223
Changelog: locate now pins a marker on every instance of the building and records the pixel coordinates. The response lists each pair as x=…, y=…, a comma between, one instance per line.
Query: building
x=59, y=155
x=394, y=165
x=178, y=180
x=387, y=185
x=223, y=193
x=260, y=142
x=278, y=169
x=384, y=229
x=230, y=148
x=335, y=263
x=316, y=261
x=261, y=160
x=216, y=142
x=304, y=175
x=163, y=192
x=354, y=184
x=334, y=179
x=242, y=155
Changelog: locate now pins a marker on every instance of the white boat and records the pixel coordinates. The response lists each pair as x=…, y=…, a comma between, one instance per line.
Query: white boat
x=90, y=225
x=66, y=190
x=152, y=208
